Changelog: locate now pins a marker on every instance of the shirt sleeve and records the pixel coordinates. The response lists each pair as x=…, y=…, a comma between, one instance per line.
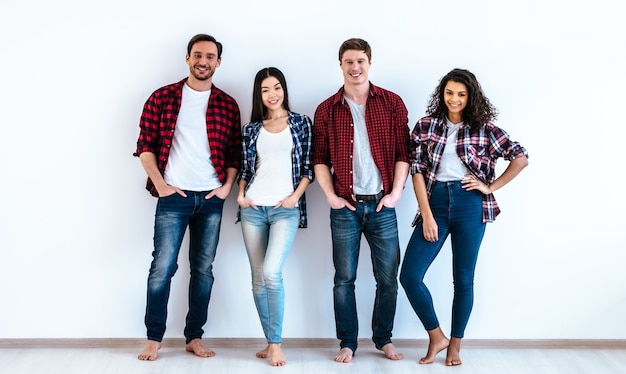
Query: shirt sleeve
x=503, y=146
x=149, y=127
x=418, y=155
x=307, y=139
x=321, y=147
x=245, y=172
x=401, y=128
x=233, y=148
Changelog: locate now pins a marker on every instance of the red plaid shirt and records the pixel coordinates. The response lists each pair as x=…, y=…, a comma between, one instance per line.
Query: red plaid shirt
x=386, y=119
x=158, y=122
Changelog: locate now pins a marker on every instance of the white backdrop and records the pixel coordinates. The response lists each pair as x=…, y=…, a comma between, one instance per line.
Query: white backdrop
x=76, y=222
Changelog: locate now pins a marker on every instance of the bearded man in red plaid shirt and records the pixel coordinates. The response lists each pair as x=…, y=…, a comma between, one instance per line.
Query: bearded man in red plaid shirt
x=360, y=153
x=190, y=147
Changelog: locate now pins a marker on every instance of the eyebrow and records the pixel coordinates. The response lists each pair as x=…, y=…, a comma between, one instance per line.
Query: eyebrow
x=449, y=90
x=200, y=53
x=277, y=84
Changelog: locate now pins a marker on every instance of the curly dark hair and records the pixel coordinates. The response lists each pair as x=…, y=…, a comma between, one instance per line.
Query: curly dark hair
x=478, y=110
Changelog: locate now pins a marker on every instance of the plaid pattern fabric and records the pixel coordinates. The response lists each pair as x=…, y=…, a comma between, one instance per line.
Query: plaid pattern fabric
x=479, y=151
x=158, y=123
x=386, y=119
x=301, y=167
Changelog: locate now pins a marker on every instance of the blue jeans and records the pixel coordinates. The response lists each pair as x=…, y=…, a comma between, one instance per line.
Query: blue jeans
x=458, y=214
x=173, y=214
x=381, y=231
x=268, y=234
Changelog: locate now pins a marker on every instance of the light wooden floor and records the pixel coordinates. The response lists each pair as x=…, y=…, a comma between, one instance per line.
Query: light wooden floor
x=238, y=356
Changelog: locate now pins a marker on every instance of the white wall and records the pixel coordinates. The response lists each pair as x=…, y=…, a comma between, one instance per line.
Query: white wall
x=76, y=222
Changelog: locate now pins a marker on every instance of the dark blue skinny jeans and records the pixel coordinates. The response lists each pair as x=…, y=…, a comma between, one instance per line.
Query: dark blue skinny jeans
x=458, y=214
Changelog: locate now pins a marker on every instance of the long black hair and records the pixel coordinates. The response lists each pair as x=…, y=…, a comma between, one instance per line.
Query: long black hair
x=478, y=110
x=259, y=111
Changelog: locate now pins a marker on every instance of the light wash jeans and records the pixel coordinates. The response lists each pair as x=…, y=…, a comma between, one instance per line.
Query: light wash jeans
x=458, y=214
x=173, y=214
x=268, y=234
x=381, y=231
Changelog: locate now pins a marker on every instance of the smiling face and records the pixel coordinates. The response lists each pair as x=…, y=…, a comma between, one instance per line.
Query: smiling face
x=455, y=97
x=272, y=93
x=355, y=66
x=203, y=60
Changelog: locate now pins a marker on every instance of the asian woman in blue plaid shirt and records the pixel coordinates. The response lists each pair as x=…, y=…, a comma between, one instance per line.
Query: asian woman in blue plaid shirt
x=276, y=170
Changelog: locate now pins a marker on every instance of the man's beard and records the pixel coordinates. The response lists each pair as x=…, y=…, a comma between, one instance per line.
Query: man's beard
x=208, y=75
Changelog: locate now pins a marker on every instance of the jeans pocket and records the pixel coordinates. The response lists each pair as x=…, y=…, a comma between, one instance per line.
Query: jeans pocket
x=169, y=196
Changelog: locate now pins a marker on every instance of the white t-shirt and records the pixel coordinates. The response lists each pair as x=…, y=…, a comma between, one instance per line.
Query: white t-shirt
x=273, y=178
x=451, y=168
x=189, y=165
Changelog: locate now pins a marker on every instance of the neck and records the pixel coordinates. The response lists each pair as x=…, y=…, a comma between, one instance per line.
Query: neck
x=455, y=118
x=274, y=114
x=199, y=85
x=357, y=93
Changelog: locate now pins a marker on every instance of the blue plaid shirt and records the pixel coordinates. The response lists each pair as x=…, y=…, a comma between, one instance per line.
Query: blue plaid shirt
x=478, y=151
x=300, y=126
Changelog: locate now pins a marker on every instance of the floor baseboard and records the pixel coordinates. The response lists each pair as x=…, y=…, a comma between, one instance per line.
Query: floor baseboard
x=313, y=343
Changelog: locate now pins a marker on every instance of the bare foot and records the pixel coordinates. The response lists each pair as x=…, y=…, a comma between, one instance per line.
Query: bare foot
x=274, y=353
x=345, y=355
x=196, y=347
x=277, y=358
x=453, y=356
x=438, y=342
x=150, y=351
x=390, y=352
x=264, y=353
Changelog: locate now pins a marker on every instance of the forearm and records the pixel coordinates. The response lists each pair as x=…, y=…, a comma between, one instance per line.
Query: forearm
x=421, y=195
x=231, y=176
x=242, y=188
x=324, y=179
x=302, y=186
x=400, y=175
x=149, y=163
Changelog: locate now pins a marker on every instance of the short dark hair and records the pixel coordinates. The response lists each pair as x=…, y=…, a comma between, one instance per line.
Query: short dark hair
x=204, y=38
x=259, y=111
x=357, y=44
